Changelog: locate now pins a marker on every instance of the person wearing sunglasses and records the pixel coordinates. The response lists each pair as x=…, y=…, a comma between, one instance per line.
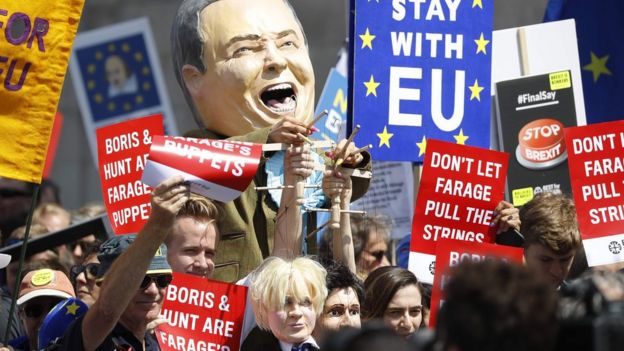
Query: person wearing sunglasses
x=84, y=275
x=370, y=243
x=134, y=274
x=40, y=291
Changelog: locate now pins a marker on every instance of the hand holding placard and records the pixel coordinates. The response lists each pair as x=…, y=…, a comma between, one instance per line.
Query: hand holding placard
x=217, y=169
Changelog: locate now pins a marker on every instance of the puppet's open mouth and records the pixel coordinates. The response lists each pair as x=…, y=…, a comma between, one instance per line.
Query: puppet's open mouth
x=280, y=98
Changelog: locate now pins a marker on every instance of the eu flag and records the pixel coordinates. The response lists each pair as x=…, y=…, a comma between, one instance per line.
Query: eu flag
x=118, y=77
x=599, y=29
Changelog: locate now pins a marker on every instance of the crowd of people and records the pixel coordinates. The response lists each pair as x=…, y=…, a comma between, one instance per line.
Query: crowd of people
x=245, y=70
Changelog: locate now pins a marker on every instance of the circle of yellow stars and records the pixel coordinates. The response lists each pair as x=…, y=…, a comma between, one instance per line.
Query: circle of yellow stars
x=92, y=69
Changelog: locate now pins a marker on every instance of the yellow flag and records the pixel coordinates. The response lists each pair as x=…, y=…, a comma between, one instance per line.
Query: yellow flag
x=36, y=38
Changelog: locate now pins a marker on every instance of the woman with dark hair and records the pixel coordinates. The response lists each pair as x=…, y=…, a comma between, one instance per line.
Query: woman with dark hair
x=395, y=296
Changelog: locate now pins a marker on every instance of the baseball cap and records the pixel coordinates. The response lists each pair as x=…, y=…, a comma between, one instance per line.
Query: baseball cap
x=4, y=260
x=45, y=282
x=115, y=246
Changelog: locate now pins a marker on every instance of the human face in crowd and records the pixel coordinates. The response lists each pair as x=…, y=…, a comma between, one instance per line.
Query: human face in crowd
x=191, y=246
x=341, y=309
x=374, y=254
x=78, y=247
x=404, y=311
x=32, y=314
x=54, y=222
x=553, y=266
x=295, y=322
x=13, y=267
x=87, y=290
x=257, y=67
x=144, y=306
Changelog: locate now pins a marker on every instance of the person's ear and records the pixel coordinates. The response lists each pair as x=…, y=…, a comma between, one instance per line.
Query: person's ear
x=192, y=79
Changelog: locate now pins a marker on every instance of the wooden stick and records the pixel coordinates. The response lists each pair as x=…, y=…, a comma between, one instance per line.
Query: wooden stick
x=312, y=209
x=305, y=138
x=317, y=118
x=300, y=184
x=263, y=188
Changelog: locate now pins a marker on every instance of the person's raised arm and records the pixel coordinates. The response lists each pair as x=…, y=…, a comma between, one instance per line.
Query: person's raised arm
x=125, y=275
x=298, y=165
x=336, y=184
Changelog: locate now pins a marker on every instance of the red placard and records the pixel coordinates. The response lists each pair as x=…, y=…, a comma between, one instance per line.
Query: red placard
x=459, y=190
x=596, y=156
x=122, y=152
x=203, y=315
x=217, y=169
x=450, y=253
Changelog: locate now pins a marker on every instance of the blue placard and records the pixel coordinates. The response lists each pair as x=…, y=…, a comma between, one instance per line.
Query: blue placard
x=420, y=70
x=334, y=100
x=118, y=77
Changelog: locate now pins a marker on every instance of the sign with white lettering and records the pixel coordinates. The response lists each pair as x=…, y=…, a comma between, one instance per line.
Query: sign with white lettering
x=596, y=156
x=122, y=153
x=459, y=190
x=531, y=115
x=421, y=70
x=117, y=76
x=450, y=253
x=217, y=169
x=202, y=314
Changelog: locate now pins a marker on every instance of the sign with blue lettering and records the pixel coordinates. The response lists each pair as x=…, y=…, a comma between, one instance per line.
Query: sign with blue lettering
x=420, y=71
x=334, y=100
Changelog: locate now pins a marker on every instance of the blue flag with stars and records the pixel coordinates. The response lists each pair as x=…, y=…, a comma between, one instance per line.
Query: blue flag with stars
x=599, y=29
x=118, y=77
x=420, y=70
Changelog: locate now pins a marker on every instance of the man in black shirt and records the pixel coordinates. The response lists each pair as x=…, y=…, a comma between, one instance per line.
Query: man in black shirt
x=134, y=281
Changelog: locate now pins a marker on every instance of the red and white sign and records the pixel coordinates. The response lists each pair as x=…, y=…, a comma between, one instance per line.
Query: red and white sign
x=450, y=253
x=217, y=169
x=203, y=315
x=596, y=156
x=459, y=190
x=122, y=152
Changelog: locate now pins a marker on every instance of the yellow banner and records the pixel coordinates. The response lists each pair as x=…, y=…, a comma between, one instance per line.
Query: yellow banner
x=36, y=38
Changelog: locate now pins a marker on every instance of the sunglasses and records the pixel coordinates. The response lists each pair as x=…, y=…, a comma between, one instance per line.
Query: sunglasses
x=162, y=281
x=379, y=255
x=90, y=270
x=84, y=245
x=36, y=310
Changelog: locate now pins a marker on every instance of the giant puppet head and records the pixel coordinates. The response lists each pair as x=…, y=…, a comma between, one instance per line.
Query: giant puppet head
x=242, y=64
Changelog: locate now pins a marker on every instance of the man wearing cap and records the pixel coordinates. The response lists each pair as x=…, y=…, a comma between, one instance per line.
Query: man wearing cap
x=134, y=273
x=40, y=291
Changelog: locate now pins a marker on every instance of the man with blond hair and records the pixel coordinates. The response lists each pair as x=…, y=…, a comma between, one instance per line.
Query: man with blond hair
x=192, y=242
x=550, y=229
